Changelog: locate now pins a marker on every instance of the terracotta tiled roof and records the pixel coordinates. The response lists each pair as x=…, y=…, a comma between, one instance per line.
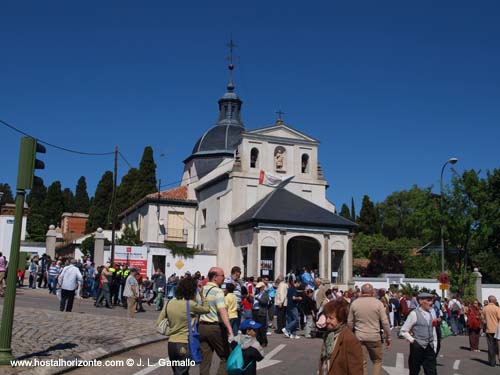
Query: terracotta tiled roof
x=362, y=262
x=178, y=193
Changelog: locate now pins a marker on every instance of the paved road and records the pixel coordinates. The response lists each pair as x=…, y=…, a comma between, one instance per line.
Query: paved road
x=300, y=357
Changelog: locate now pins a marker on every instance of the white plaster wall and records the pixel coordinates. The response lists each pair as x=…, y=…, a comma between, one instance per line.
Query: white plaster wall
x=6, y=229
x=490, y=290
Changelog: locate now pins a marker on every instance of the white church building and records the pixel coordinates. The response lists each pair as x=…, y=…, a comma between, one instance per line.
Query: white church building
x=222, y=209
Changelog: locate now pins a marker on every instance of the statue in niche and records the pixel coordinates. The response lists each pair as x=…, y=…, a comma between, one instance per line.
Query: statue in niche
x=279, y=159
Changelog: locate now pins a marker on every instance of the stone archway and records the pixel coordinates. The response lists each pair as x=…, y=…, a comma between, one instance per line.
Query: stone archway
x=302, y=251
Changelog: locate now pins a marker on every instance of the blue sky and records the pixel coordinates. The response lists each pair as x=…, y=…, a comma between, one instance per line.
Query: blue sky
x=392, y=89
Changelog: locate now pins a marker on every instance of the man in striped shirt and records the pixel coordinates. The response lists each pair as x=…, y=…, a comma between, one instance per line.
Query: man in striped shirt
x=54, y=270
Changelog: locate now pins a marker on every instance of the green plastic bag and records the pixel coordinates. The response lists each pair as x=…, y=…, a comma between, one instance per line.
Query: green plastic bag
x=445, y=330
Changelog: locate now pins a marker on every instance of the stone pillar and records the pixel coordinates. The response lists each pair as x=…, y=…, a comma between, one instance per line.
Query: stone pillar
x=50, y=242
x=478, y=284
x=323, y=257
x=280, y=256
x=253, y=254
x=348, y=262
x=99, y=248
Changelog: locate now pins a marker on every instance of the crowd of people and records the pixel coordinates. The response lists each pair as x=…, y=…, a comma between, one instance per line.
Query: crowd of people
x=354, y=324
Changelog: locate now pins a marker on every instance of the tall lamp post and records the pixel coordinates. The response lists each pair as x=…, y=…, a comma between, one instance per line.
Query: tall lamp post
x=449, y=161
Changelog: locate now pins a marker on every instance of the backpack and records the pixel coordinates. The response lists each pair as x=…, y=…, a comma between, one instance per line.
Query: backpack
x=235, y=364
x=455, y=308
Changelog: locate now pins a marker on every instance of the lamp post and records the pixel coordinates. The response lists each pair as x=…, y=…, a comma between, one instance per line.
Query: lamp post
x=449, y=161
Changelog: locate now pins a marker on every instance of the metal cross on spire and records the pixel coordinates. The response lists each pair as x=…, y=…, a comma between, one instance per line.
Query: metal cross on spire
x=231, y=45
x=279, y=113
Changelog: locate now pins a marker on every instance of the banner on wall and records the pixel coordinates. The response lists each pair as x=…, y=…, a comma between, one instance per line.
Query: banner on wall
x=133, y=256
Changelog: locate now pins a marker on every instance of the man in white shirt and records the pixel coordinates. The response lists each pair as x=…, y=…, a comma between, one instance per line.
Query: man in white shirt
x=69, y=280
x=131, y=292
x=423, y=340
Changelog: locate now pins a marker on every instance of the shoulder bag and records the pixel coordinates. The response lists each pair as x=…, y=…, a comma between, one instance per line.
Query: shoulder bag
x=193, y=338
x=163, y=328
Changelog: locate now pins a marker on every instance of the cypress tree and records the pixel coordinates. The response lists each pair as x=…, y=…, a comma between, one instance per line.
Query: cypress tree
x=129, y=190
x=36, y=225
x=7, y=196
x=353, y=210
x=82, y=201
x=69, y=200
x=344, y=212
x=147, y=173
x=368, y=222
x=54, y=204
x=100, y=213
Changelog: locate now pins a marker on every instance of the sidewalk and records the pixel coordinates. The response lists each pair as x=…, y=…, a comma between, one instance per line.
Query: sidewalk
x=47, y=334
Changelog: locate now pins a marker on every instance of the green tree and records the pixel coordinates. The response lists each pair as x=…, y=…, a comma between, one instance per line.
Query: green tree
x=54, y=204
x=36, y=225
x=99, y=213
x=410, y=213
x=7, y=196
x=82, y=201
x=129, y=190
x=353, y=210
x=344, y=212
x=129, y=237
x=69, y=200
x=368, y=220
x=147, y=173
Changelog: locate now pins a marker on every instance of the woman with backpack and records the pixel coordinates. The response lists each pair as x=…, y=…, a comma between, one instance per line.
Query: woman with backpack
x=474, y=319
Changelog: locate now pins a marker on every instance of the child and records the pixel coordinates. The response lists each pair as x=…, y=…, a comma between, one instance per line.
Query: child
x=246, y=306
x=232, y=307
x=252, y=351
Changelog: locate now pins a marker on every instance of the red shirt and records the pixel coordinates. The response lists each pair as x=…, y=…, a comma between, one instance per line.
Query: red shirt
x=246, y=304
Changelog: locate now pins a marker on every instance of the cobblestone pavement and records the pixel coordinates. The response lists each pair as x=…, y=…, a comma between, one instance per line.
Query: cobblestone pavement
x=86, y=333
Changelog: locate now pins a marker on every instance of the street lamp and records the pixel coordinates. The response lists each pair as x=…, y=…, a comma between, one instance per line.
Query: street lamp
x=449, y=161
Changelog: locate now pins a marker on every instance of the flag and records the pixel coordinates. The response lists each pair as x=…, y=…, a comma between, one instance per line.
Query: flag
x=268, y=179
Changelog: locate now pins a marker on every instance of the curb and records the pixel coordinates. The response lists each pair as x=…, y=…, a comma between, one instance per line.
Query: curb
x=97, y=353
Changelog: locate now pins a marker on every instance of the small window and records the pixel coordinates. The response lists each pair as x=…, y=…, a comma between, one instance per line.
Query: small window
x=254, y=158
x=305, y=163
x=204, y=218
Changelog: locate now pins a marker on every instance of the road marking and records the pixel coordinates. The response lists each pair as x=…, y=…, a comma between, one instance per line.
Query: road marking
x=149, y=369
x=456, y=364
x=400, y=366
x=268, y=361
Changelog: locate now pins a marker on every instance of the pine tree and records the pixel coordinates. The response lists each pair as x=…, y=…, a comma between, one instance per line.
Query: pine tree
x=128, y=192
x=344, y=212
x=100, y=209
x=82, y=201
x=54, y=204
x=147, y=173
x=7, y=196
x=353, y=210
x=36, y=225
x=69, y=200
x=368, y=221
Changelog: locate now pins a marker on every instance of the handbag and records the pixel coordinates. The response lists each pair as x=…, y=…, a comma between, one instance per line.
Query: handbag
x=445, y=330
x=163, y=328
x=193, y=338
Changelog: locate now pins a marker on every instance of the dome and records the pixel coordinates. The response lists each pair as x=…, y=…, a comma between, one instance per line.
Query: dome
x=219, y=138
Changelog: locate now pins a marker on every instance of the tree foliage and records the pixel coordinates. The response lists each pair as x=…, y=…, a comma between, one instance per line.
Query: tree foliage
x=69, y=200
x=81, y=201
x=7, y=196
x=99, y=213
x=37, y=225
x=54, y=204
x=130, y=237
x=344, y=212
x=368, y=220
x=147, y=173
x=129, y=191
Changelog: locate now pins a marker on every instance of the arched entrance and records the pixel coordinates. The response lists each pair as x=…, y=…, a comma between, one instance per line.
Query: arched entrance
x=302, y=251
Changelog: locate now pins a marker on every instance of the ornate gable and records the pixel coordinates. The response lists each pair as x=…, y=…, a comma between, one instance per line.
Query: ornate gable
x=280, y=131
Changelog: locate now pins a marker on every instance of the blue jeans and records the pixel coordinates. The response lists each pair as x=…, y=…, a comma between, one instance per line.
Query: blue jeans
x=52, y=284
x=454, y=323
x=292, y=319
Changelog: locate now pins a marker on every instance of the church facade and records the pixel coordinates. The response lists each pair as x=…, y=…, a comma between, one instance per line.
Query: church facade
x=222, y=207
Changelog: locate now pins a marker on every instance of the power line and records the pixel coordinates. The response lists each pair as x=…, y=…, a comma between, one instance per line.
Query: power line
x=125, y=160
x=12, y=127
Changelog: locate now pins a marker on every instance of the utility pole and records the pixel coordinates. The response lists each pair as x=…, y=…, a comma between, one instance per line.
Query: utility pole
x=25, y=176
x=113, y=206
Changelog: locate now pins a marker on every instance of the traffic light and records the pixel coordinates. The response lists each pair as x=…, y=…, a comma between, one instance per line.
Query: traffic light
x=28, y=162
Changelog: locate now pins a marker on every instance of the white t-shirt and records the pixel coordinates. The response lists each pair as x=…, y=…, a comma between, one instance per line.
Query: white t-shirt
x=131, y=281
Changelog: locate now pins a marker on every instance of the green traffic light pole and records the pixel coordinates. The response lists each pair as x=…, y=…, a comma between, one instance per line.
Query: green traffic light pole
x=25, y=176
x=10, y=294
